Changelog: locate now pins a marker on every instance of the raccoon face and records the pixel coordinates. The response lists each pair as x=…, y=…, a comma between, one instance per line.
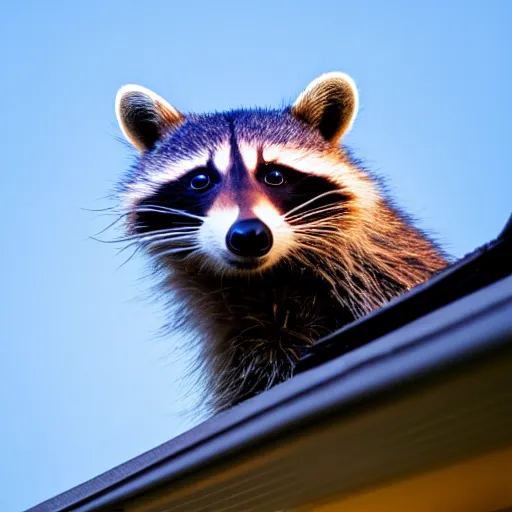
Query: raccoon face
x=240, y=191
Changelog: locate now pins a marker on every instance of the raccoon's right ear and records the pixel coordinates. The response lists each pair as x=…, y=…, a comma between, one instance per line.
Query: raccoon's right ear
x=143, y=116
x=329, y=104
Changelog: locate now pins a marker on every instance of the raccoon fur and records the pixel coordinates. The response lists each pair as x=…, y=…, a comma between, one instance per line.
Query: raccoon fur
x=267, y=233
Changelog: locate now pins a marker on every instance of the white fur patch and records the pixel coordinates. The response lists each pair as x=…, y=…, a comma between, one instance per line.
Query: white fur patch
x=249, y=155
x=213, y=231
x=338, y=172
x=222, y=158
x=282, y=233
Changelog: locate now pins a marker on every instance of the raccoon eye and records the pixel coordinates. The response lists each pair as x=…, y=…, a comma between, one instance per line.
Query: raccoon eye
x=274, y=178
x=200, y=182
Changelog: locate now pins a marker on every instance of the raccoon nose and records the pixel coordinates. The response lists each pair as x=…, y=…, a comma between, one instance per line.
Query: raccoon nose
x=249, y=237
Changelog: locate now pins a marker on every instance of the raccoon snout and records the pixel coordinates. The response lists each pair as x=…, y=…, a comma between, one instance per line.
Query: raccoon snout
x=249, y=237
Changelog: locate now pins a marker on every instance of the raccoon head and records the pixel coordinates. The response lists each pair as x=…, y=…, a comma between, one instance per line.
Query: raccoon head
x=241, y=191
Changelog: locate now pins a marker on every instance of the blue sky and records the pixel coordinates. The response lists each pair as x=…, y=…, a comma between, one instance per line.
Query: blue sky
x=85, y=383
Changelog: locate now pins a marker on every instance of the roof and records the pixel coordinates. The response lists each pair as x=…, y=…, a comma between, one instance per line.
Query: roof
x=424, y=381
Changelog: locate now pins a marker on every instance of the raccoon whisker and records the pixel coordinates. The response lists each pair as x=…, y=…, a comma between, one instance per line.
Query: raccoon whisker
x=163, y=233
x=316, y=211
x=322, y=228
x=135, y=238
x=127, y=247
x=173, y=235
x=332, y=218
x=318, y=238
x=137, y=249
x=155, y=234
x=316, y=198
x=150, y=209
x=165, y=209
x=176, y=250
x=94, y=210
x=120, y=217
x=328, y=216
x=111, y=213
x=333, y=223
x=169, y=240
x=118, y=240
x=161, y=240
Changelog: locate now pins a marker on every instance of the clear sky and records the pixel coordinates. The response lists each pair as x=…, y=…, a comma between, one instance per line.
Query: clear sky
x=85, y=383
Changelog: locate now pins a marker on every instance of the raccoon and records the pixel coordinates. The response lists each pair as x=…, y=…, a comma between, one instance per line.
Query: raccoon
x=266, y=231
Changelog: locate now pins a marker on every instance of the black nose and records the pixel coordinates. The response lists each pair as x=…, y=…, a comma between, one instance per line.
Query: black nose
x=249, y=237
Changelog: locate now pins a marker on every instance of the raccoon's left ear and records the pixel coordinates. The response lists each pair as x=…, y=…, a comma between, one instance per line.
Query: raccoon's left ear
x=329, y=104
x=143, y=116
